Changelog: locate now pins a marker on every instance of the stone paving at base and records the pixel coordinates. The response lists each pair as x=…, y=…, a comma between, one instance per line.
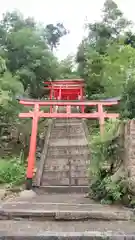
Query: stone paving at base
x=36, y=227
x=71, y=229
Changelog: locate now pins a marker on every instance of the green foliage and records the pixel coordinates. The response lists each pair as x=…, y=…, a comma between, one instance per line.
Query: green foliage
x=12, y=171
x=106, y=160
x=128, y=100
x=53, y=33
x=9, y=87
x=118, y=64
x=25, y=47
x=103, y=58
x=67, y=69
x=105, y=190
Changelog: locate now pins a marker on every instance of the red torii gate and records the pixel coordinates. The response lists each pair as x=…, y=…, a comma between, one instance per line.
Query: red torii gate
x=60, y=93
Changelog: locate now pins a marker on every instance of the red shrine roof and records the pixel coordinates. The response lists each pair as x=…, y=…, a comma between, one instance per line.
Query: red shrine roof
x=65, y=82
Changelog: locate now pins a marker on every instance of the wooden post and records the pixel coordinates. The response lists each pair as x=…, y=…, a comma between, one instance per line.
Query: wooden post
x=51, y=95
x=60, y=93
x=68, y=107
x=101, y=118
x=81, y=99
x=59, y=98
x=32, y=149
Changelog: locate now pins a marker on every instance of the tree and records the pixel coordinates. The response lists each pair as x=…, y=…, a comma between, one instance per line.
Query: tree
x=113, y=18
x=10, y=86
x=118, y=69
x=130, y=39
x=93, y=51
x=67, y=68
x=53, y=34
x=26, y=53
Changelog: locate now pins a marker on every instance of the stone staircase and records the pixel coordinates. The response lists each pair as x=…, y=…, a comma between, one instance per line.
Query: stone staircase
x=65, y=155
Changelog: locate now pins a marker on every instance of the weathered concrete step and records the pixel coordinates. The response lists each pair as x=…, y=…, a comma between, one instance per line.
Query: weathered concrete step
x=61, y=189
x=68, y=156
x=63, y=159
x=63, y=179
x=64, y=172
x=67, y=150
x=51, y=179
x=68, y=127
x=65, y=124
x=68, y=120
x=66, y=131
x=22, y=230
x=68, y=142
x=68, y=124
x=64, y=212
x=63, y=165
x=68, y=136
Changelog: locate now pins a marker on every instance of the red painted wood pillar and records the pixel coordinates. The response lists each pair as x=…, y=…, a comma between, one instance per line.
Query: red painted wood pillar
x=51, y=95
x=32, y=149
x=59, y=94
x=81, y=94
x=68, y=107
x=101, y=118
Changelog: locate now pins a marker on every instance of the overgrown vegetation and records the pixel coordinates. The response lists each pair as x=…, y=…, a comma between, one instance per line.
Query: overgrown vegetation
x=107, y=173
x=12, y=171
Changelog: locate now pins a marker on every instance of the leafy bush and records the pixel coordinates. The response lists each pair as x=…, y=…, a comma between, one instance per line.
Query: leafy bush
x=12, y=171
x=105, y=163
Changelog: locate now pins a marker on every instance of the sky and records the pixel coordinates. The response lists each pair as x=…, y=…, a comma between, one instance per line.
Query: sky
x=73, y=13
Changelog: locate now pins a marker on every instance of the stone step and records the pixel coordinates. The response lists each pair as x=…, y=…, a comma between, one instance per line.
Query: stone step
x=52, y=211
x=74, y=230
x=68, y=130
x=61, y=182
x=55, y=180
x=67, y=150
x=67, y=156
x=63, y=173
x=64, y=177
x=67, y=125
x=68, y=120
x=67, y=133
x=77, y=163
x=68, y=142
x=68, y=136
x=62, y=189
x=64, y=124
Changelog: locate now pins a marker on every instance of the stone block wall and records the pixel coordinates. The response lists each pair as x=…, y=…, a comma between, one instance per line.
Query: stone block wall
x=129, y=150
x=129, y=145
